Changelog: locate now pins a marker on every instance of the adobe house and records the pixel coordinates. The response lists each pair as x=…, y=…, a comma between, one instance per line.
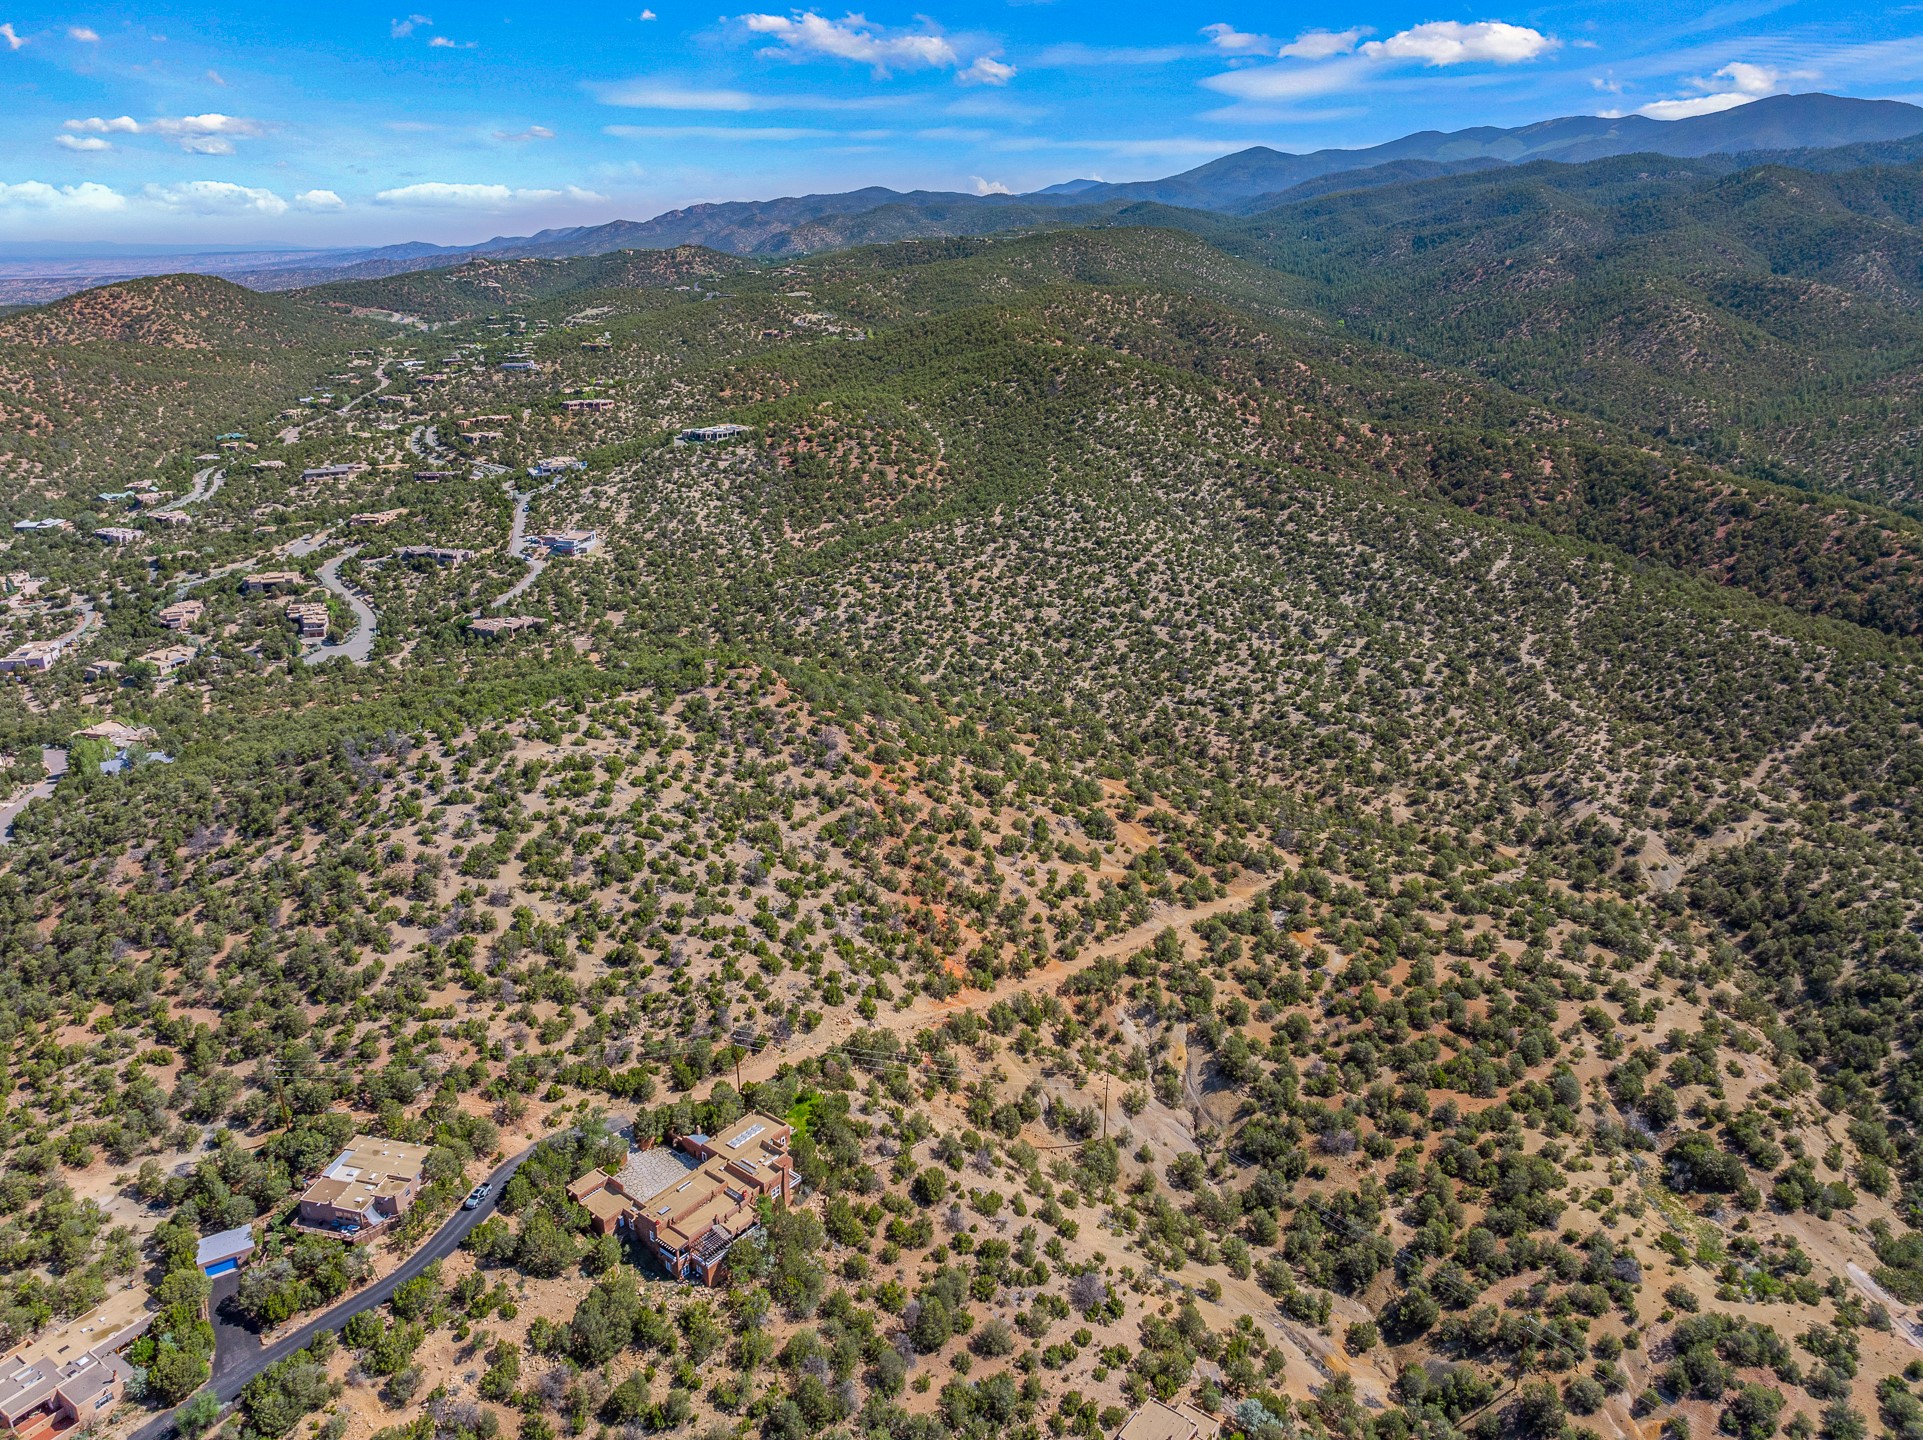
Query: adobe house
x=689, y=1204
x=371, y=1183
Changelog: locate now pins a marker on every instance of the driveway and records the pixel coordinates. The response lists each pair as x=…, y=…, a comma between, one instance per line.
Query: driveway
x=238, y=1353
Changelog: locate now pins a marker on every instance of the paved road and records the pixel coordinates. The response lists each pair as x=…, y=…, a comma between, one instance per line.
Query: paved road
x=54, y=763
x=360, y=644
x=517, y=542
x=206, y=482
x=239, y=1357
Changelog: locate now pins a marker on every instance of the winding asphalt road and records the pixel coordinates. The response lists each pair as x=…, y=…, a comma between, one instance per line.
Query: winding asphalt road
x=239, y=1357
x=359, y=645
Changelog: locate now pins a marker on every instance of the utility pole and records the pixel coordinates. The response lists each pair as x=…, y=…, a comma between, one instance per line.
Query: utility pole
x=1105, y=1080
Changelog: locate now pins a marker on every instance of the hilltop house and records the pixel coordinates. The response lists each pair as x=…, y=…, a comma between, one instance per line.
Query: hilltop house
x=181, y=615
x=35, y=655
x=555, y=465
x=569, y=542
x=369, y=1185
x=705, y=434
x=310, y=619
x=494, y=626
x=266, y=582
x=117, y=535
x=689, y=1211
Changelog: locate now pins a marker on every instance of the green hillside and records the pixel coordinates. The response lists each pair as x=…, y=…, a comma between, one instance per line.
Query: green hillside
x=1294, y=817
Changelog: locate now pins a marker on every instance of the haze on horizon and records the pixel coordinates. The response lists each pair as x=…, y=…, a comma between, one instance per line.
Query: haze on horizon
x=282, y=125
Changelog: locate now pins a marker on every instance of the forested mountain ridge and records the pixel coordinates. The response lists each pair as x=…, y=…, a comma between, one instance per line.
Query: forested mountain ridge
x=1767, y=318
x=1266, y=868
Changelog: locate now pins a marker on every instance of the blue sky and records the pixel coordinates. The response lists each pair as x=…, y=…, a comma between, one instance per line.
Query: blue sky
x=348, y=123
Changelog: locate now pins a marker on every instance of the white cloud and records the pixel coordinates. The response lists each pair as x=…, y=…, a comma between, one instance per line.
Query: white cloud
x=719, y=132
x=986, y=71
x=1291, y=82
x=319, y=200
x=441, y=42
x=216, y=197
x=82, y=142
x=216, y=77
x=209, y=134
x=83, y=34
x=853, y=38
x=989, y=187
x=443, y=195
x=14, y=40
x=648, y=95
x=1235, y=42
x=401, y=29
x=647, y=15
x=80, y=200
x=1321, y=44
x=1454, y=42
x=1737, y=83
x=533, y=132
x=1321, y=62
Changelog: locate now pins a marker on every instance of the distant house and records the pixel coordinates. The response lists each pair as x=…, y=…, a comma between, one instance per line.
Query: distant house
x=520, y=365
x=495, y=626
x=181, y=615
x=170, y=658
x=437, y=474
x=118, y=535
x=1155, y=1421
x=577, y=406
x=555, y=465
x=375, y=517
x=69, y=1385
x=48, y=524
x=489, y=420
x=333, y=472
x=226, y=1252
x=32, y=657
x=310, y=619
x=569, y=542
x=706, y=434
x=266, y=582
x=369, y=1185
x=688, y=1215
x=171, y=517
x=480, y=437
x=270, y=465
x=439, y=554
x=114, y=732
x=102, y=669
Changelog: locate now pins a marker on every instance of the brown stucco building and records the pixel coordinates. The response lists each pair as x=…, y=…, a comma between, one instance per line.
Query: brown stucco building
x=689, y=1211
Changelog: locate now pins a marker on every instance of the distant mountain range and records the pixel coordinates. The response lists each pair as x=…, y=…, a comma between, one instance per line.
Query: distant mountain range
x=1241, y=184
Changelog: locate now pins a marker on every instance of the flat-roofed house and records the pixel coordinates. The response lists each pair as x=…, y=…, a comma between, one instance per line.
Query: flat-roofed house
x=266, y=582
x=68, y=1383
x=369, y=1185
x=35, y=655
x=310, y=618
x=690, y=1212
x=1155, y=1421
x=170, y=658
x=181, y=615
